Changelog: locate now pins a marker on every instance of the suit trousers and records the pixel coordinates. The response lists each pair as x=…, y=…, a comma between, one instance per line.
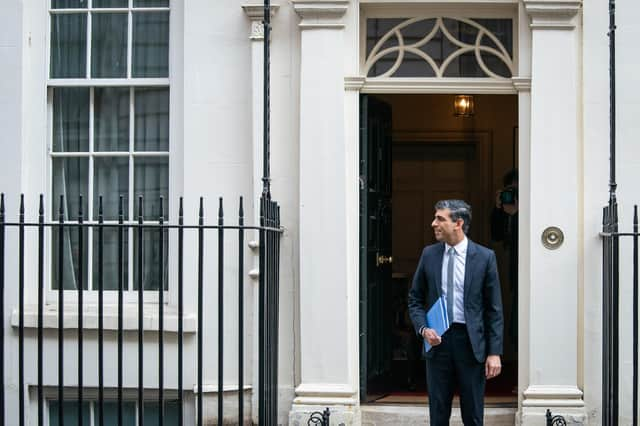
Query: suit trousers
x=453, y=366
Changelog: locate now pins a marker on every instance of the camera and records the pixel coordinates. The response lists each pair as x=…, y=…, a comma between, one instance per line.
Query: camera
x=508, y=195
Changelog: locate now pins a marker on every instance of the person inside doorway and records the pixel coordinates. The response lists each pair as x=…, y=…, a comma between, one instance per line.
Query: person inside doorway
x=504, y=228
x=465, y=274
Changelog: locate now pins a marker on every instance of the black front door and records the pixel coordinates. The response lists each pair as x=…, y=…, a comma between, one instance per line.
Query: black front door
x=375, y=242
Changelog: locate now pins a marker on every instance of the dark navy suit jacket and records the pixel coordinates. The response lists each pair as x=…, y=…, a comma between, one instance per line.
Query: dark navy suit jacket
x=482, y=298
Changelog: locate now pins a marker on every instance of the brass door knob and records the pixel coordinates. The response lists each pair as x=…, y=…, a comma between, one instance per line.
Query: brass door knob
x=381, y=260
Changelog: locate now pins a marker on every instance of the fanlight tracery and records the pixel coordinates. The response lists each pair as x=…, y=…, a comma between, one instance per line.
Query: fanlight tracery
x=485, y=47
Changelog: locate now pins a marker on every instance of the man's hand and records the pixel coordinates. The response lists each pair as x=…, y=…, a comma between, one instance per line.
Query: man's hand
x=511, y=209
x=431, y=336
x=492, y=366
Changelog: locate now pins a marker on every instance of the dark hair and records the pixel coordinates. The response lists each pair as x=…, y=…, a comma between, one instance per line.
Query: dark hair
x=459, y=210
x=510, y=177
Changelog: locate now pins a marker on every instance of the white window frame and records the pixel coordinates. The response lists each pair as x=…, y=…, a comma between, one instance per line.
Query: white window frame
x=91, y=397
x=130, y=295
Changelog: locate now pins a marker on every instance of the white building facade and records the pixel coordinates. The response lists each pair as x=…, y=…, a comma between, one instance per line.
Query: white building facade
x=205, y=139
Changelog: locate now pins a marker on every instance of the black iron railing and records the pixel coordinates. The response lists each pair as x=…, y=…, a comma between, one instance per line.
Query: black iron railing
x=269, y=231
x=556, y=420
x=611, y=238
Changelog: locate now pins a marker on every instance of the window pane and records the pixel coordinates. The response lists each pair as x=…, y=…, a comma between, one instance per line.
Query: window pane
x=111, y=119
x=150, y=3
x=70, y=413
x=69, y=4
x=110, y=3
x=71, y=119
x=111, y=413
x=71, y=179
x=70, y=260
x=152, y=409
x=151, y=261
x=151, y=181
x=111, y=179
x=110, y=259
x=68, y=45
x=152, y=119
x=150, y=44
x=109, y=45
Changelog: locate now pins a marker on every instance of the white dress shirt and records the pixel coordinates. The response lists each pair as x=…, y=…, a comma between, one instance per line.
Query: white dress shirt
x=460, y=260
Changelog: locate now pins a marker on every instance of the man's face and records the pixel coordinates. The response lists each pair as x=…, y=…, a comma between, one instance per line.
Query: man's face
x=444, y=228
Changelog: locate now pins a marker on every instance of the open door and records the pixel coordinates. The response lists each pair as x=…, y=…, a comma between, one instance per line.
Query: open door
x=375, y=242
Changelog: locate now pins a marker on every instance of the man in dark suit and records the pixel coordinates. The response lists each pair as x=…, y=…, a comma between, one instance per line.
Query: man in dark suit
x=468, y=353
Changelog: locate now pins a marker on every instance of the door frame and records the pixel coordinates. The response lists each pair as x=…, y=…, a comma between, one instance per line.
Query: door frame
x=356, y=84
x=522, y=90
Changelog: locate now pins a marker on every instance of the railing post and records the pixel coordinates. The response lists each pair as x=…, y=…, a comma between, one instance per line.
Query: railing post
x=635, y=315
x=2, y=259
x=220, y=312
x=80, y=290
x=121, y=229
x=21, y=408
x=200, y=307
x=180, y=308
x=241, y=313
x=61, y=312
x=262, y=349
x=40, y=310
x=100, y=312
x=161, y=266
x=140, y=314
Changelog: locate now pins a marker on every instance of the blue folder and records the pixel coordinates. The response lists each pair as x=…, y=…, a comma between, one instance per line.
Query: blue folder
x=437, y=319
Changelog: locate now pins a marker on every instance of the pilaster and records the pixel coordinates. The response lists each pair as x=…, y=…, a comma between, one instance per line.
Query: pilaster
x=327, y=376
x=550, y=283
x=553, y=14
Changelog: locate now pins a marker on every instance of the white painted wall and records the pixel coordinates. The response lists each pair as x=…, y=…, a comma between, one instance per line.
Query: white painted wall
x=211, y=156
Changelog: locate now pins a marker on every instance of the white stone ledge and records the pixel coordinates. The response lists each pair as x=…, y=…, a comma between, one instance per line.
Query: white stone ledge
x=552, y=396
x=325, y=393
x=213, y=388
x=150, y=320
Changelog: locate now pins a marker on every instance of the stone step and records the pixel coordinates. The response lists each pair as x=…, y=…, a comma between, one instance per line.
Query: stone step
x=383, y=414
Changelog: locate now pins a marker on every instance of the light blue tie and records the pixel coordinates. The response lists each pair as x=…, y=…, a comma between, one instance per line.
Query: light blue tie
x=452, y=253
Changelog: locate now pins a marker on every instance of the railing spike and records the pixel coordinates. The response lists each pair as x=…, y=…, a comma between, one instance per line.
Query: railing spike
x=80, y=206
x=61, y=209
x=181, y=208
x=41, y=205
x=220, y=210
x=22, y=205
x=635, y=214
x=161, y=216
x=201, y=210
x=2, y=207
x=241, y=209
x=140, y=213
x=121, y=206
x=100, y=207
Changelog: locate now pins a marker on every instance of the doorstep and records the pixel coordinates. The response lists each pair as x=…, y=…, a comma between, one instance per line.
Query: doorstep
x=405, y=414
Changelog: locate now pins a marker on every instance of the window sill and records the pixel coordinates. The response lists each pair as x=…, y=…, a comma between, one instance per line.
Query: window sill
x=150, y=319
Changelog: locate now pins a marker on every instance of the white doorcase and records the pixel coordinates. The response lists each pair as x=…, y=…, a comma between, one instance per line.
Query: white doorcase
x=547, y=120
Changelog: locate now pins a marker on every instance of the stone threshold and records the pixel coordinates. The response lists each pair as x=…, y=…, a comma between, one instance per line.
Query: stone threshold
x=414, y=414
